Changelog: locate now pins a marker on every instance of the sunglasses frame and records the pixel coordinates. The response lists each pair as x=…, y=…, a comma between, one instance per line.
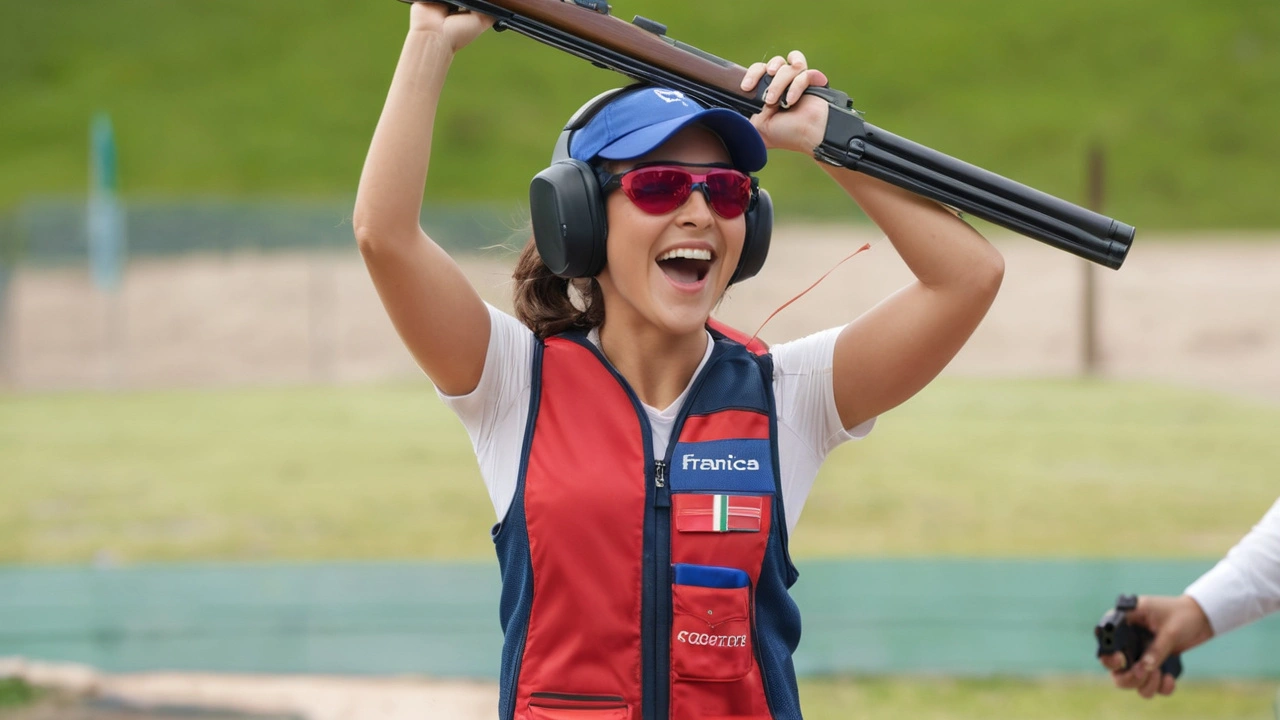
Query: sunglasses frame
x=613, y=181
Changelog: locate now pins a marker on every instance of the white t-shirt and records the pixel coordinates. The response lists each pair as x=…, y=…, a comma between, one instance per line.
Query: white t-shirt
x=496, y=412
x=1245, y=585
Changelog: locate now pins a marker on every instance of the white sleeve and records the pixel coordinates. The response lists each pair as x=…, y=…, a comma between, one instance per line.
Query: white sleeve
x=809, y=426
x=1245, y=585
x=496, y=411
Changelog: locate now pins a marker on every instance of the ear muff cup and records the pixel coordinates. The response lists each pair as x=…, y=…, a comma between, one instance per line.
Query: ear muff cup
x=755, y=245
x=569, y=222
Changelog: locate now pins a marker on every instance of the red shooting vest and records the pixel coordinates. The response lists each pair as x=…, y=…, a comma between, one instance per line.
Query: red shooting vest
x=642, y=588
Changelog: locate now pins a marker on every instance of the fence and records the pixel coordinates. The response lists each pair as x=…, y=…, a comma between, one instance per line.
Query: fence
x=52, y=230
x=64, y=330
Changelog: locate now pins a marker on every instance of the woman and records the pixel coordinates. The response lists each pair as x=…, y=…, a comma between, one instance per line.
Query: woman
x=645, y=470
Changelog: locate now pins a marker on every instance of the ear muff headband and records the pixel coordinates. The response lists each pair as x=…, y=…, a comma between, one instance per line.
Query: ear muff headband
x=570, y=226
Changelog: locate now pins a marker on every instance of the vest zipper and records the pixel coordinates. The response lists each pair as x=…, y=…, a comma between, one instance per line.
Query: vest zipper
x=649, y=568
x=662, y=581
x=662, y=556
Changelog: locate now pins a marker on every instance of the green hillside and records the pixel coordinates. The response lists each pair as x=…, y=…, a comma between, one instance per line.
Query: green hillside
x=269, y=98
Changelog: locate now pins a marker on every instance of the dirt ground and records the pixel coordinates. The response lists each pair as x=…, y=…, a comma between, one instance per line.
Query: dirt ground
x=81, y=693
x=1197, y=310
x=1194, y=310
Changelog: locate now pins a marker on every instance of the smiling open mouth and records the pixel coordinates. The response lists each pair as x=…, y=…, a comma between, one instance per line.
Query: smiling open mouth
x=685, y=266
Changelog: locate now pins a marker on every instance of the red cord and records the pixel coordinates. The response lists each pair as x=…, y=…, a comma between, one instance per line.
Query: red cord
x=756, y=334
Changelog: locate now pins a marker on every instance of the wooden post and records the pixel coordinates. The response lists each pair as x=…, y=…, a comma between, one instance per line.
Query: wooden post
x=8, y=376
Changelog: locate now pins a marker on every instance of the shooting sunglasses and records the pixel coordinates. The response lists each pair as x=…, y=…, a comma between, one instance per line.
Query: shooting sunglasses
x=660, y=189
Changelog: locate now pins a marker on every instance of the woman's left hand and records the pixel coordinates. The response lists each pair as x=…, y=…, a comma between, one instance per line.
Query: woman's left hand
x=802, y=125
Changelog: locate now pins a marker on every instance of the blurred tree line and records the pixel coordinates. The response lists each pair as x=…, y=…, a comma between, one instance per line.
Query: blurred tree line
x=245, y=98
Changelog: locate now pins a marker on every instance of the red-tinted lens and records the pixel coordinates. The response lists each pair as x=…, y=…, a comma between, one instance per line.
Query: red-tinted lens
x=658, y=190
x=661, y=189
x=729, y=192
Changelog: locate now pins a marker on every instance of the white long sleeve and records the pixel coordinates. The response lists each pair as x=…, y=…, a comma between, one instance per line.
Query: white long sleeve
x=1245, y=585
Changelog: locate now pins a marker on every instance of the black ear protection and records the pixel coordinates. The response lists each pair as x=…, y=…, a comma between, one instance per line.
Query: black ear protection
x=567, y=206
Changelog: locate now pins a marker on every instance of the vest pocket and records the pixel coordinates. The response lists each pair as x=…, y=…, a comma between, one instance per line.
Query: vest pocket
x=565, y=706
x=711, y=623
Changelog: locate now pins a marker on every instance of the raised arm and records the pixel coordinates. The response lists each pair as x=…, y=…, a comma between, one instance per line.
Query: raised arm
x=893, y=350
x=437, y=313
x=897, y=347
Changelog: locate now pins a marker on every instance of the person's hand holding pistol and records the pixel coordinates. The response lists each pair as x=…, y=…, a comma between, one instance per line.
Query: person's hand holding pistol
x=1175, y=624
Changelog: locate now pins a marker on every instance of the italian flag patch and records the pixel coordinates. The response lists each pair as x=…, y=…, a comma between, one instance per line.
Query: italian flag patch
x=717, y=513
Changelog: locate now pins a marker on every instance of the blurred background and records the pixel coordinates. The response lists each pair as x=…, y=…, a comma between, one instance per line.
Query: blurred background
x=225, y=488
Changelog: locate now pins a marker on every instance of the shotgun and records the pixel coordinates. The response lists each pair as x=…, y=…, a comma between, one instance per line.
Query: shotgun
x=642, y=50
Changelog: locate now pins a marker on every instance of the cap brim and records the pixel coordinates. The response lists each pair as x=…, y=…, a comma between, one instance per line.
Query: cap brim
x=740, y=137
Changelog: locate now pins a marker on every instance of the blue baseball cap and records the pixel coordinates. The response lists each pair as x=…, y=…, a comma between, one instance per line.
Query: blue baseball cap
x=641, y=120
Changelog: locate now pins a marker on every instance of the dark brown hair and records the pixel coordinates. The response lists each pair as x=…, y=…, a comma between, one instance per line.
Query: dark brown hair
x=546, y=303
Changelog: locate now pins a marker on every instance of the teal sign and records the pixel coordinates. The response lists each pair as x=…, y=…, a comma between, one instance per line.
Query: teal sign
x=105, y=216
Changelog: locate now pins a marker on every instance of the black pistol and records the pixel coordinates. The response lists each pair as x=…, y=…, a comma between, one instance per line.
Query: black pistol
x=1116, y=634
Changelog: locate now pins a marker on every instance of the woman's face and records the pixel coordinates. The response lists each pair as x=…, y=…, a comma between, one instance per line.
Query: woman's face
x=643, y=282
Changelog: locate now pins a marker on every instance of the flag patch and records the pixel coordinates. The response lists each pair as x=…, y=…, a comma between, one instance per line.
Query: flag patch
x=697, y=512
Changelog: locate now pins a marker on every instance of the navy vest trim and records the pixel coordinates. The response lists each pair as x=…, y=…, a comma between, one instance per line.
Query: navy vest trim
x=511, y=538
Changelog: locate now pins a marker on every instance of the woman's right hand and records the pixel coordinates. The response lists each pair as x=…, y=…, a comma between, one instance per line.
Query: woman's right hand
x=457, y=27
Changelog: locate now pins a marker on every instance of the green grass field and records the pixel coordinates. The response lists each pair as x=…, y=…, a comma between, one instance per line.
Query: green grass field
x=997, y=699
x=939, y=699
x=968, y=468
x=250, y=98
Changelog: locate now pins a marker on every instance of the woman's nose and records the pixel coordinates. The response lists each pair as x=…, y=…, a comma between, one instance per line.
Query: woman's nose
x=699, y=200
